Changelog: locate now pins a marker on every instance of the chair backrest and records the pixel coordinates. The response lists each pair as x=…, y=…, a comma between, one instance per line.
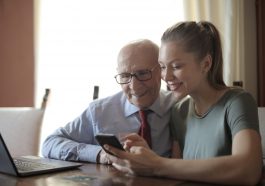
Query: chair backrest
x=261, y=113
x=21, y=127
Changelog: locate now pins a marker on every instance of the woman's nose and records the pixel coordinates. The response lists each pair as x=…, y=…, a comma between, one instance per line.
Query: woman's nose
x=167, y=74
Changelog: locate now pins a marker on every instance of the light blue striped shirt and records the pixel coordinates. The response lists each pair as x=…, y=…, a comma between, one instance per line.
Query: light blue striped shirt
x=115, y=114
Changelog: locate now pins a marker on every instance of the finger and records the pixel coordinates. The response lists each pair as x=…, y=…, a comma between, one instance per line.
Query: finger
x=122, y=168
x=127, y=144
x=136, y=149
x=133, y=137
x=115, y=151
x=110, y=159
x=109, y=162
x=117, y=161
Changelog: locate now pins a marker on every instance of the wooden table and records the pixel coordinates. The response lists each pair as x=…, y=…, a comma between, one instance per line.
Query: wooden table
x=92, y=175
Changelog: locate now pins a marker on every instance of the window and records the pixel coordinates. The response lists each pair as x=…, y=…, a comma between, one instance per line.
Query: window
x=78, y=42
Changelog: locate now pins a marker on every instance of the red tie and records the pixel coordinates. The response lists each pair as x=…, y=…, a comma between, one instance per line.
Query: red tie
x=144, y=130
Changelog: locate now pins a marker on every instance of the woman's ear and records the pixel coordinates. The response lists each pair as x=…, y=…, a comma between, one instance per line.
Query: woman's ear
x=206, y=63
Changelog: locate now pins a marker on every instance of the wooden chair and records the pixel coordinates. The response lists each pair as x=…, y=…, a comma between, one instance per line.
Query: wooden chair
x=21, y=126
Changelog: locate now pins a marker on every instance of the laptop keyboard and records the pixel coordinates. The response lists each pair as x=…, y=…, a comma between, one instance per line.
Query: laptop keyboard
x=24, y=165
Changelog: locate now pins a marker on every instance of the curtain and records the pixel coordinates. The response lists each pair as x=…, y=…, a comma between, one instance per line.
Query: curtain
x=261, y=51
x=233, y=20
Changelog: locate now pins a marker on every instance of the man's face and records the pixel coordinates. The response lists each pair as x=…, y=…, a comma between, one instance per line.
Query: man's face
x=140, y=93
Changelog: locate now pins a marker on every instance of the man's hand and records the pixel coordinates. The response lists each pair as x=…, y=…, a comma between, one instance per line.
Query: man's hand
x=102, y=158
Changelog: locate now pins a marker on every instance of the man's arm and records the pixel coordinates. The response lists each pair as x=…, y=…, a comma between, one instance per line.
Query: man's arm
x=73, y=142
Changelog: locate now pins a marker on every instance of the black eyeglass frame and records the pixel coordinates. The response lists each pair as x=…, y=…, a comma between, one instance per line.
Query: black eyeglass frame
x=135, y=75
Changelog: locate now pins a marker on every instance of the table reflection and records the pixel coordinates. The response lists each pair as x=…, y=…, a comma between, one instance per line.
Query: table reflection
x=94, y=175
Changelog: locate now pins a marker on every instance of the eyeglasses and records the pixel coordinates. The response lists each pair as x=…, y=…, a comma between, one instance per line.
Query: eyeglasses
x=141, y=75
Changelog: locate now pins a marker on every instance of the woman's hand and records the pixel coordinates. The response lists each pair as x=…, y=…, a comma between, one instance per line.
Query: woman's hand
x=134, y=140
x=138, y=161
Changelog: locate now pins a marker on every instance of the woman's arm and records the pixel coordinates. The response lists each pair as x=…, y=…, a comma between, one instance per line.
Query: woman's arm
x=243, y=167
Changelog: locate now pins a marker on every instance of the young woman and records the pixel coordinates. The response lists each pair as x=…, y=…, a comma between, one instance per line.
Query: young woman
x=215, y=128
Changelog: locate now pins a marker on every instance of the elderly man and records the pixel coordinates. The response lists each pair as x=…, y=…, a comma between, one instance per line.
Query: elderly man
x=139, y=75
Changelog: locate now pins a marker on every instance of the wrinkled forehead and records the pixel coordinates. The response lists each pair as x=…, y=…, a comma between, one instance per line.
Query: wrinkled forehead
x=135, y=59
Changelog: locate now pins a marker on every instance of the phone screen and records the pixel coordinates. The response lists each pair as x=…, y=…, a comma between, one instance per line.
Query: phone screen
x=109, y=139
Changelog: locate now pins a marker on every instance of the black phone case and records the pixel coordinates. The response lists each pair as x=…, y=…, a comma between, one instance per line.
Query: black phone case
x=109, y=139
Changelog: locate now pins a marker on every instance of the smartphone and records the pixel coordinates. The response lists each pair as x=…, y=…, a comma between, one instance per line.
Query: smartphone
x=109, y=139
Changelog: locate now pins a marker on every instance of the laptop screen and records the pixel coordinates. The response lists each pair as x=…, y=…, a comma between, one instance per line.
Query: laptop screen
x=39, y=165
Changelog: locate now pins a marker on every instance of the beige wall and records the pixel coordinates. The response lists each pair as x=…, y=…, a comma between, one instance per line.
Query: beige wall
x=16, y=53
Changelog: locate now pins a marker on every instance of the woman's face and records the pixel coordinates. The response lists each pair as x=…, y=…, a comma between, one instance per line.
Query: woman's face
x=180, y=70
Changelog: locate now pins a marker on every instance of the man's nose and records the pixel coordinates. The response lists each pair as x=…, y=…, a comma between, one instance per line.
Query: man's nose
x=134, y=82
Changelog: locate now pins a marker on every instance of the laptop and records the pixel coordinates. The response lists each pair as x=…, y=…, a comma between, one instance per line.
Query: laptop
x=30, y=165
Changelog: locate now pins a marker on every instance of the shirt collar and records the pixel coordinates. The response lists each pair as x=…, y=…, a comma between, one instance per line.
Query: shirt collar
x=130, y=109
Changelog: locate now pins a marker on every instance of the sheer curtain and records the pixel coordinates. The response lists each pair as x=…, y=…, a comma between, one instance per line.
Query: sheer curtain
x=77, y=42
x=235, y=20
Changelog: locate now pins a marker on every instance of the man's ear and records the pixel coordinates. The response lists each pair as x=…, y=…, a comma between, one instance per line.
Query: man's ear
x=206, y=63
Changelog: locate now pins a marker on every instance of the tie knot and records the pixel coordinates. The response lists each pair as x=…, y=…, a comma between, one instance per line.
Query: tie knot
x=142, y=114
